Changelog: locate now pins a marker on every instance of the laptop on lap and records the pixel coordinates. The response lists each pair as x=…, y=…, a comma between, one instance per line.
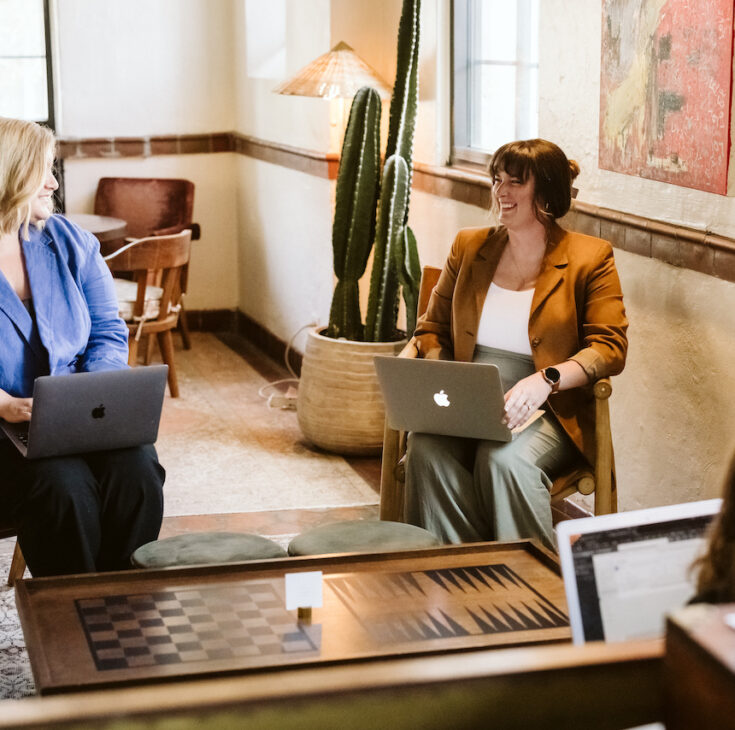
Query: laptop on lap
x=444, y=397
x=83, y=412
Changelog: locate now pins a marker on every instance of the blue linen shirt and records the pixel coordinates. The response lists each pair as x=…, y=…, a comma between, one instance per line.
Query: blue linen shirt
x=75, y=306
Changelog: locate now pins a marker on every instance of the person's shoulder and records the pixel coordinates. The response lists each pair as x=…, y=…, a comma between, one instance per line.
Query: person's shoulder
x=67, y=234
x=585, y=244
x=478, y=236
x=60, y=224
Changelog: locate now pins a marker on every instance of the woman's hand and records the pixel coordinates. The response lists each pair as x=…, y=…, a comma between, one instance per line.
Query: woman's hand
x=524, y=399
x=15, y=410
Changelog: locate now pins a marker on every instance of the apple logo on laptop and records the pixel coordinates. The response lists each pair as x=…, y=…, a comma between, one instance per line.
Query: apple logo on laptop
x=99, y=411
x=441, y=399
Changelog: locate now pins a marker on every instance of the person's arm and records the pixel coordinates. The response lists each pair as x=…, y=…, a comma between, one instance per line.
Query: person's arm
x=604, y=350
x=432, y=337
x=15, y=410
x=530, y=393
x=107, y=346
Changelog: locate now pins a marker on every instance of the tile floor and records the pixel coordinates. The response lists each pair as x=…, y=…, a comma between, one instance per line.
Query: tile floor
x=240, y=372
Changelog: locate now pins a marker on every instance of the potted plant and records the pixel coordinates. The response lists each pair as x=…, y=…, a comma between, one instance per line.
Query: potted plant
x=339, y=405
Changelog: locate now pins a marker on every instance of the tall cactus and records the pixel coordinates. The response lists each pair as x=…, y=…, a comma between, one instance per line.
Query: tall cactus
x=353, y=229
x=404, y=103
x=388, y=254
x=395, y=263
x=402, y=258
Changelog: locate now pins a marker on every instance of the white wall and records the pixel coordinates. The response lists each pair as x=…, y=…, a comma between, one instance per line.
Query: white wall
x=143, y=68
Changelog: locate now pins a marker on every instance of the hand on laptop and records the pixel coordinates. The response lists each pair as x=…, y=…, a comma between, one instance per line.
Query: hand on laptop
x=15, y=410
x=524, y=399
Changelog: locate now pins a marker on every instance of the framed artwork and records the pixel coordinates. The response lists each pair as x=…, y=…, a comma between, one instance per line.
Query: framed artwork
x=665, y=86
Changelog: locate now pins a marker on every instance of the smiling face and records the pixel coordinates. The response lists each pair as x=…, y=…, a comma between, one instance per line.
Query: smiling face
x=515, y=199
x=42, y=203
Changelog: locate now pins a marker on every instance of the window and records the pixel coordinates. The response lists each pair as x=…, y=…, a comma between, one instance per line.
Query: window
x=25, y=61
x=495, y=76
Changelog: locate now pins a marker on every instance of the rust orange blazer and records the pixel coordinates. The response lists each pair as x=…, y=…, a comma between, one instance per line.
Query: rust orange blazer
x=577, y=313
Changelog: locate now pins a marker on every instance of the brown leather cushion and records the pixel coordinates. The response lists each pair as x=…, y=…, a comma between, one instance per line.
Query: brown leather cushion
x=148, y=205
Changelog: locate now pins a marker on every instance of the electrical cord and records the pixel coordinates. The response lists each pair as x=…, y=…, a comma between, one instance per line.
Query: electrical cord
x=285, y=401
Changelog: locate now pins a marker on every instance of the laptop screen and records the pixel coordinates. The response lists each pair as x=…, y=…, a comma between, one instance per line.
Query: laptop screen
x=624, y=572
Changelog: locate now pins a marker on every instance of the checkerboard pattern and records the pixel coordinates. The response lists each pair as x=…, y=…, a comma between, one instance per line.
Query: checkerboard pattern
x=179, y=626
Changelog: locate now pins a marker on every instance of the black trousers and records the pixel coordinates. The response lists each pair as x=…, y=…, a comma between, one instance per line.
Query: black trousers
x=82, y=513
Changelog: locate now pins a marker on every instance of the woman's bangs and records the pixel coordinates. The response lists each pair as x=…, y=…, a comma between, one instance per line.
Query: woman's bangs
x=512, y=162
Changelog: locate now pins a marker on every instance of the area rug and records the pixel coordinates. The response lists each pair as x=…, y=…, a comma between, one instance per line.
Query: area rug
x=225, y=450
x=16, y=680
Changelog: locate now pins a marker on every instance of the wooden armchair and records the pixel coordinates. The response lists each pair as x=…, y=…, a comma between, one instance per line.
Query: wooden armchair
x=149, y=309
x=586, y=480
x=18, y=564
x=151, y=207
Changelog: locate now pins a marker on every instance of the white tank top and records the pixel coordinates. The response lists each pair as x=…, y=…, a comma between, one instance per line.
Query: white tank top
x=504, y=320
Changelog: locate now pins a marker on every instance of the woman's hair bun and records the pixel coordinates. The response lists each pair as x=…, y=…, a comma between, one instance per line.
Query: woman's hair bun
x=573, y=168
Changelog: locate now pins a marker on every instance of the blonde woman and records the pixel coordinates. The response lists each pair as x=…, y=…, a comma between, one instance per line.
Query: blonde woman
x=58, y=315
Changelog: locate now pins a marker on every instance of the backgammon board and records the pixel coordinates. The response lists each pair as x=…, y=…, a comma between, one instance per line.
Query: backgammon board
x=145, y=626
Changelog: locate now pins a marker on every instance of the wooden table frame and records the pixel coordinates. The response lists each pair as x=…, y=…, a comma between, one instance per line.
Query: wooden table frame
x=64, y=658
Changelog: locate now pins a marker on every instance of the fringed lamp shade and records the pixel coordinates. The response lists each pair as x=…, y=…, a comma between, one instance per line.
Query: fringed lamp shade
x=337, y=74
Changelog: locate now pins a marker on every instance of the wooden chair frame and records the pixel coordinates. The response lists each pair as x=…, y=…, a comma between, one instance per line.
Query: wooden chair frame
x=598, y=479
x=18, y=563
x=122, y=197
x=159, y=259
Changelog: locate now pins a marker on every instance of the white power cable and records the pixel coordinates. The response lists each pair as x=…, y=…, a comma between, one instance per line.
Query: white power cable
x=284, y=401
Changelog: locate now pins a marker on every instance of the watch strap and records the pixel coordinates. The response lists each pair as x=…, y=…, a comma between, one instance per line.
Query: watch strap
x=548, y=377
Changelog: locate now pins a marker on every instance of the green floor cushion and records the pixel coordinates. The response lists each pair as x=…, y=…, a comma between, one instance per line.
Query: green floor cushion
x=205, y=548
x=361, y=536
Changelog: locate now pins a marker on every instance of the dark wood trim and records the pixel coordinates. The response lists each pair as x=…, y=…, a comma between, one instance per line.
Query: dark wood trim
x=296, y=158
x=212, y=320
x=228, y=322
x=267, y=342
x=680, y=246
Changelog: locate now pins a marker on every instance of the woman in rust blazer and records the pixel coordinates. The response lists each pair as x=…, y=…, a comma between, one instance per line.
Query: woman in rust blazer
x=545, y=305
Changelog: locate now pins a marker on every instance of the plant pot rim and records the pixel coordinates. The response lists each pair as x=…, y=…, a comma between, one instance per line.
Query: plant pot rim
x=318, y=330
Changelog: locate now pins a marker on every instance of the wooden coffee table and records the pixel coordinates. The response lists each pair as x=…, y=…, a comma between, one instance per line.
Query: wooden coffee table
x=137, y=627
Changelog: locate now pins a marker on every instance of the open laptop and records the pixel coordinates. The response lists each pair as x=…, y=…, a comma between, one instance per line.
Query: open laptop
x=624, y=572
x=85, y=412
x=444, y=397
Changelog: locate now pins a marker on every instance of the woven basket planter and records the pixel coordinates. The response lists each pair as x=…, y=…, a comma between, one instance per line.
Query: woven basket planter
x=340, y=406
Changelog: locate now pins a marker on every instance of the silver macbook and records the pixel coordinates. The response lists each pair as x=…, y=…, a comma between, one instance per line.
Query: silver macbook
x=444, y=397
x=85, y=412
x=624, y=572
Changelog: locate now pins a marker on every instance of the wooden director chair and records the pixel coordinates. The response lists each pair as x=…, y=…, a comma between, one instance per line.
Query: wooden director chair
x=18, y=564
x=150, y=302
x=600, y=479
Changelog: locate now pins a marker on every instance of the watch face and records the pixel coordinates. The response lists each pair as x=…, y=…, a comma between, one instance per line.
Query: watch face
x=552, y=374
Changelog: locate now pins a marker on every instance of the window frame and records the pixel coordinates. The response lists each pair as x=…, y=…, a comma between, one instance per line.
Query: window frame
x=462, y=154
x=50, y=118
x=51, y=121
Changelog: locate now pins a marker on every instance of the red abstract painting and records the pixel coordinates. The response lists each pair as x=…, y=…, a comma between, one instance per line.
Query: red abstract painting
x=665, y=89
